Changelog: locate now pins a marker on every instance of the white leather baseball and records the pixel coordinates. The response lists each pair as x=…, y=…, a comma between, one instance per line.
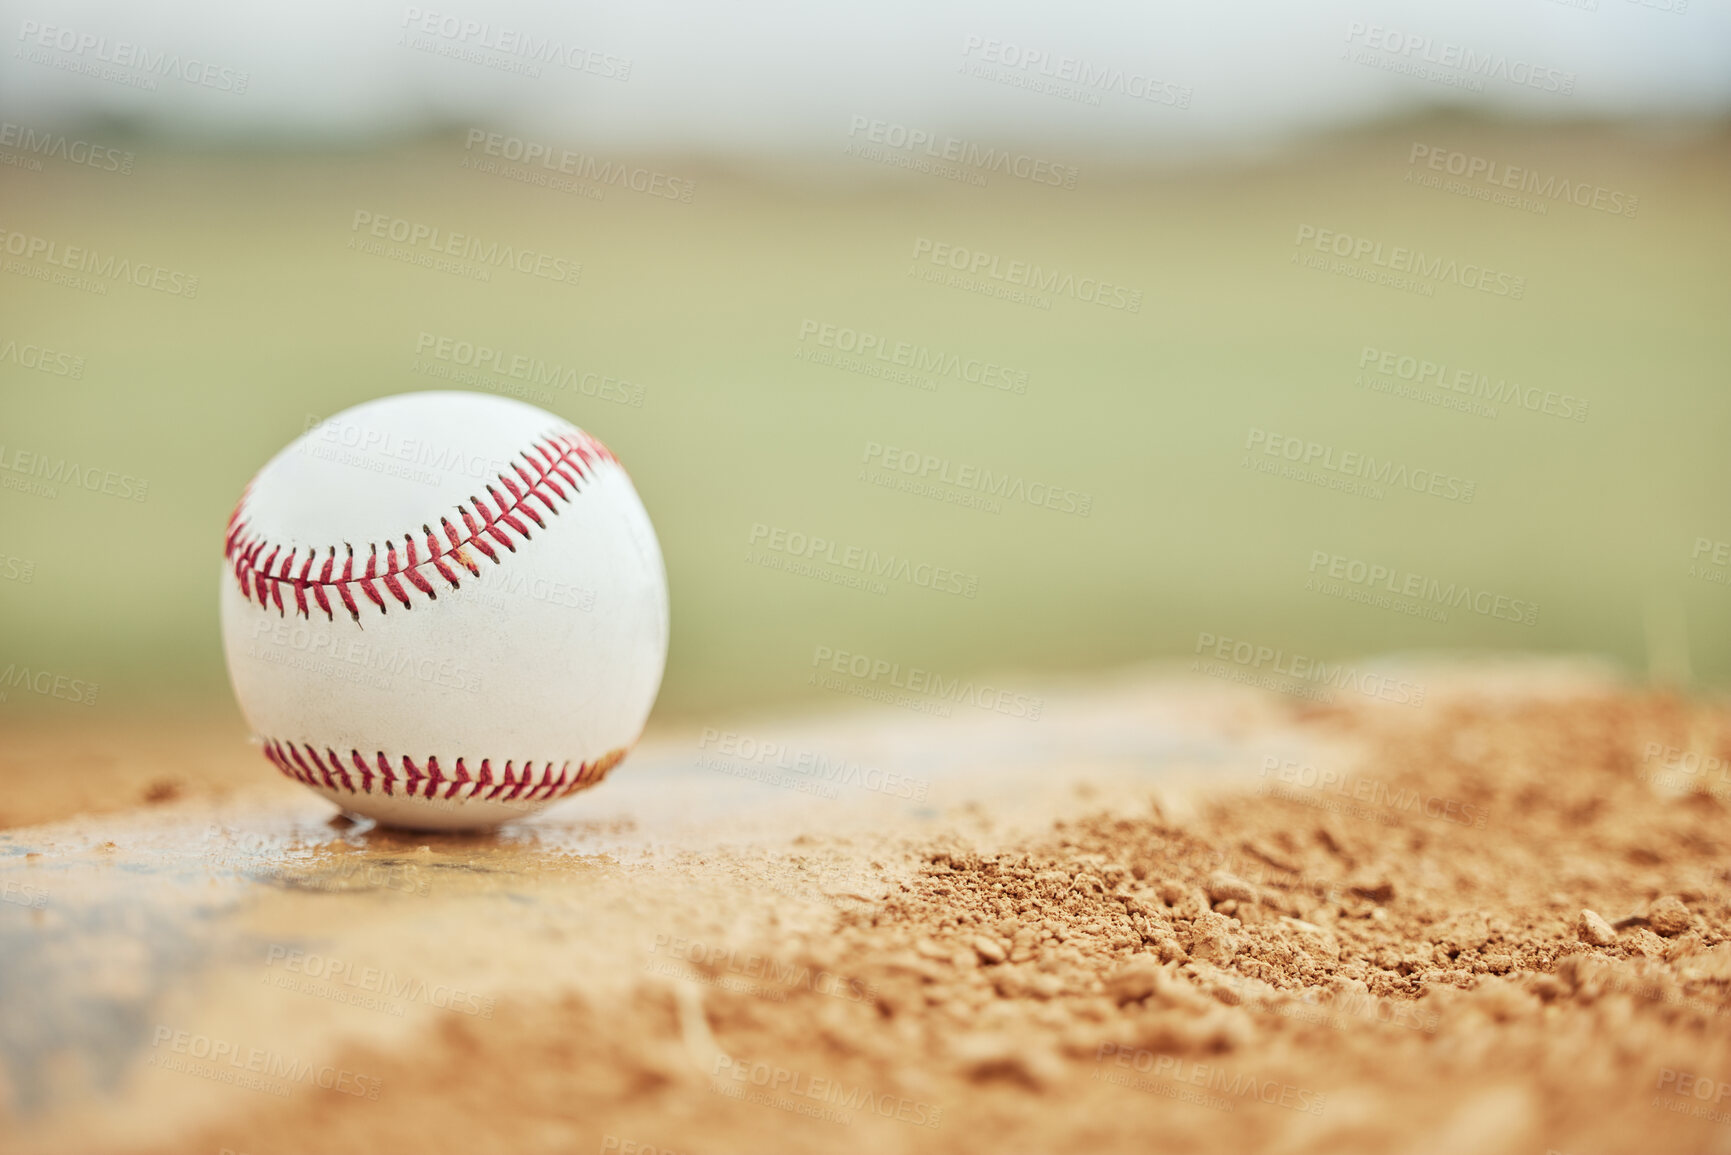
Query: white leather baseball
x=443, y=610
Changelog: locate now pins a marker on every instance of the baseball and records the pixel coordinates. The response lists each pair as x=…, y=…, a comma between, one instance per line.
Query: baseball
x=444, y=610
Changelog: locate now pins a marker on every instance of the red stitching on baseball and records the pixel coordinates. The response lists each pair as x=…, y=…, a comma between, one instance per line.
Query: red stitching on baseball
x=568, y=457
x=553, y=781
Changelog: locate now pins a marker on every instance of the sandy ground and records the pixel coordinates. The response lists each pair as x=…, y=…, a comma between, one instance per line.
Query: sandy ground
x=1171, y=915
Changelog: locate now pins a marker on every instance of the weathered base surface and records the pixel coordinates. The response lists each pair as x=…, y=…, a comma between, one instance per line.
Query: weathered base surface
x=1169, y=915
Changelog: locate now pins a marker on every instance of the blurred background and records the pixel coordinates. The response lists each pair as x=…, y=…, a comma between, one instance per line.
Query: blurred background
x=1341, y=329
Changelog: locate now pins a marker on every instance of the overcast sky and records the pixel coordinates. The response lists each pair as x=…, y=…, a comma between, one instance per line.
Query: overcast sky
x=762, y=75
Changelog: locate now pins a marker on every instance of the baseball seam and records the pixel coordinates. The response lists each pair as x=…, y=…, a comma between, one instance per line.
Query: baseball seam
x=303, y=763
x=562, y=456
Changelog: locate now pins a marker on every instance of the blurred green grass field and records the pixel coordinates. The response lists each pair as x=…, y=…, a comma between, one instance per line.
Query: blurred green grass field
x=701, y=305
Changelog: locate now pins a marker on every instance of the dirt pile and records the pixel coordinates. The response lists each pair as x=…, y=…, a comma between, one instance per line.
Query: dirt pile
x=1509, y=929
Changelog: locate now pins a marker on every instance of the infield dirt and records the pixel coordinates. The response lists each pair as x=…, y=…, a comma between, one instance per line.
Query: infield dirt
x=1222, y=922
